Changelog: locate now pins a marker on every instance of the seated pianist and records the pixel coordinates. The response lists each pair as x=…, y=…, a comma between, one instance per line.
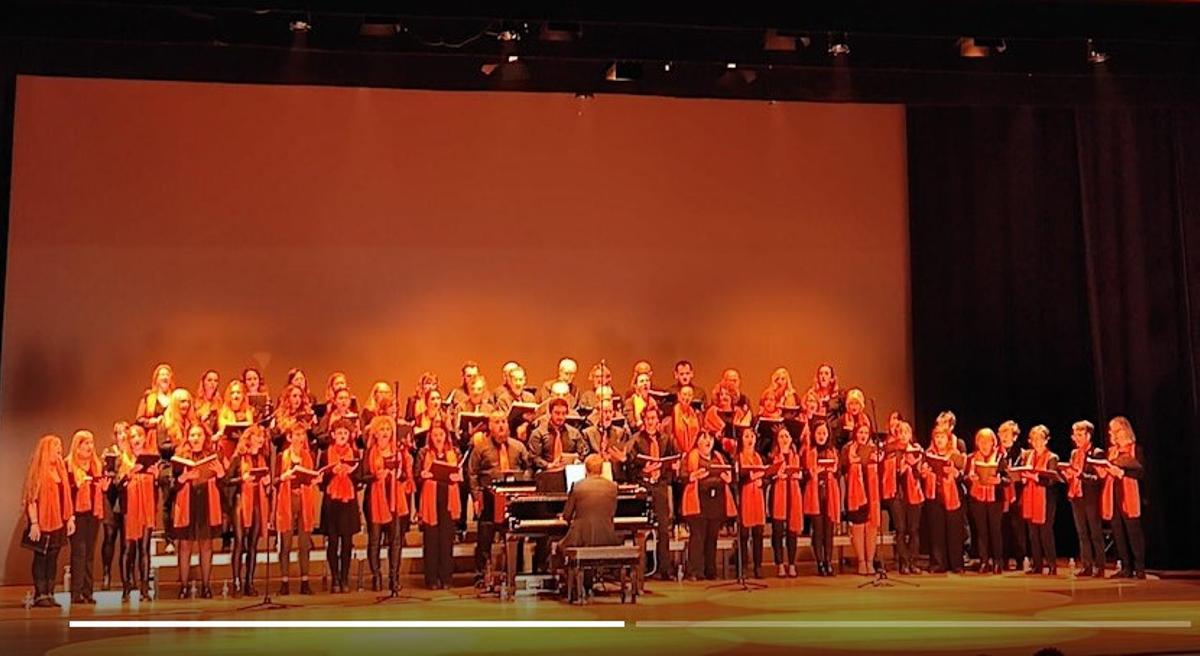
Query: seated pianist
x=590, y=511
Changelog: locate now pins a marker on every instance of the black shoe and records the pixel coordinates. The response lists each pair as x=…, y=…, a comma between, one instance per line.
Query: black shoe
x=984, y=567
x=144, y=594
x=829, y=567
x=45, y=602
x=1099, y=573
x=206, y=592
x=757, y=572
x=305, y=589
x=105, y=581
x=284, y=589
x=1140, y=574
x=184, y=590
x=1085, y=571
x=1053, y=570
x=89, y=600
x=250, y=590
x=77, y=600
x=997, y=568
x=125, y=595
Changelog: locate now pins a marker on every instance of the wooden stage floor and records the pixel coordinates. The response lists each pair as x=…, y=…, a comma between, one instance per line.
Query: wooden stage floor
x=819, y=616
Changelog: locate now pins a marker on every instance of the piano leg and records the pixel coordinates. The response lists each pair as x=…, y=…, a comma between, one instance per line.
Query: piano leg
x=639, y=581
x=510, y=564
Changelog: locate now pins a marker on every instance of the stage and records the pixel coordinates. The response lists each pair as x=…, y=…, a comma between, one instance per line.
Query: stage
x=1009, y=614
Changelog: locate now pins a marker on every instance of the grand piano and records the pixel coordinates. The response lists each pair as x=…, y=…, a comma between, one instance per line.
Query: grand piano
x=533, y=514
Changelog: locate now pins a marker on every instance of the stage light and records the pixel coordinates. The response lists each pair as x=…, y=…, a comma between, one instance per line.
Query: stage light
x=300, y=26
x=839, y=46
x=623, y=72
x=667, y=67
x=978, y=47
x=512, y=58
x=731, y=65
x=1094, y=55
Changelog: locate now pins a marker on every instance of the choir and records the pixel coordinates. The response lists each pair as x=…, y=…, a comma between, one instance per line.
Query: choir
x=234, y=464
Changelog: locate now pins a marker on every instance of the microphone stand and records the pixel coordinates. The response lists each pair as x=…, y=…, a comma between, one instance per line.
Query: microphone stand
x=739, y=558
x=272, y=490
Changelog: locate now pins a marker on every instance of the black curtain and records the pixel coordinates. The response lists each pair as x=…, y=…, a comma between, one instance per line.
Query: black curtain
x=1055, y=278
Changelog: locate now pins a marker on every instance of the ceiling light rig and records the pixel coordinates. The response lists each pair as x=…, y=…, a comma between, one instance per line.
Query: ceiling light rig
x=839, y=45
x=1095, y=55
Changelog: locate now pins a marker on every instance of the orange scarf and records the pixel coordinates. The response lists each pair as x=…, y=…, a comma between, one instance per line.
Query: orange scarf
x=428, y=503
x=140, y=502
x=863, y=488
x=1033, y=495
x=88, y=496
x=253, y=493
x=340, y=487
x=54, y=501
x=754, y=512
x=890, y=465
x=949, y=488
x=812, y=495
x=691, y=493
x=1075, y=486
x=1131, y=498
x=308, y=497
x=786, y=500
x=389, y=500
x=685, y=424
x=183, y=504
x=979, y=491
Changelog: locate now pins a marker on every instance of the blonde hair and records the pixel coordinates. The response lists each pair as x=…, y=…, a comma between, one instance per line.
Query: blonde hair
x=1123, y=422
x=988, y=433
x=1011, y=425
x=377, y=427
x=79, y=438
x=372, y=402
x=1040, y=428
x=170, y=377
x=40, y=464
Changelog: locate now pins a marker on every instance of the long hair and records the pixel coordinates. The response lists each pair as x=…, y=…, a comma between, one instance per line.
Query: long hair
x=376, y=428
x=41, y=463
x=77, y=439
x=173, y=419
x=1123, y=422
x=329, y=392
x=184, y=448
x=235, y=383
x=215, y=401
x=372, y=402
x=243, y=445
x=283, y=409
x=170, y=374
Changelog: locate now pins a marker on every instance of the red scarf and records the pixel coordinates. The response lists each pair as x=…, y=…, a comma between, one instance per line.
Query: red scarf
x=786, y=500
x=428, y=504
x=1033, y=495
x=812, y=496
x=340, y=487
x=685, y=424
x=1131, y=498
x=308, y=496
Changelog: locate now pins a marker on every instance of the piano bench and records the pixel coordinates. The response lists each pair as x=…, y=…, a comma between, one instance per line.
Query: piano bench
x=581, y=561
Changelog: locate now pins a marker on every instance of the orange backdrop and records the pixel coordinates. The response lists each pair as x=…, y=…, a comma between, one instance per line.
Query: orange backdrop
x=385, y=232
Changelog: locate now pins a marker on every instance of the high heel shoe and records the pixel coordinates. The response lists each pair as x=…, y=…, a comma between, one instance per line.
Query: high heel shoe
x=184, y=590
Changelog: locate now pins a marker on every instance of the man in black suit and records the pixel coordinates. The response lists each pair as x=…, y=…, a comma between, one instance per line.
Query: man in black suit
x=590, y=509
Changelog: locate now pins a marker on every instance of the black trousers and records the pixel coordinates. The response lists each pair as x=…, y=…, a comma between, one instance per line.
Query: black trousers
x=779, y=536
x=83, y=553
x=136, y=570
x=989, y=541
x=45, y=565
x=437, y=549
x=752, y=545
x=906, y=519
x=946, y=535
x=1086, y=513
x=822, y=538
x=112, y=543
x=660, y=504
x=338, y=551
x=245, y=547
x=702, y=546
x=1013, y=526
x=1041, y=538
x=393, y=534
x=485, y=536
x=1131, y=545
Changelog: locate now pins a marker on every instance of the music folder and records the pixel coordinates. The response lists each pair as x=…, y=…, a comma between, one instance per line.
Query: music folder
x=1099, y=463
x=987, y=473
x=578, y=421
x=666, y=459
x=747, y=470
x=258, y=402
x=518, y=410
x=304, y=475
x=259, y=472
x=404, y=432
x=148, y=460
x=442, y=470
x=205, y=467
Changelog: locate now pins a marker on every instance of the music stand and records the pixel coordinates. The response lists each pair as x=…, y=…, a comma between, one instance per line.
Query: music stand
x=272, y=490
x=739, y=562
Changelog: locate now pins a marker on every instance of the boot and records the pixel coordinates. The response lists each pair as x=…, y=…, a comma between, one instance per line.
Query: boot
x=283, y=589
x=1086, y=570
x=305, y=589
x=44, y=601
x=206, y=592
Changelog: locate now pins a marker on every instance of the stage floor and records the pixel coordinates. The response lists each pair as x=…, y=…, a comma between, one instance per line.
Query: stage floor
x=1009, y=614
